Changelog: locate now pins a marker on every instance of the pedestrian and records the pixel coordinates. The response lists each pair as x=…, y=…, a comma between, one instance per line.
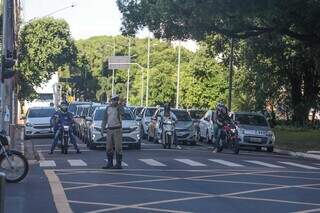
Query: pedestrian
x=112, y=121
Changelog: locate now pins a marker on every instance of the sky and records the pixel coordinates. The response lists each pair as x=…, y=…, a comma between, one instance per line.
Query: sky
x=88, y=18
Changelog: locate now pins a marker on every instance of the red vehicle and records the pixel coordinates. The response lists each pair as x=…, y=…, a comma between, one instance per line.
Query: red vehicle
x=228, y=138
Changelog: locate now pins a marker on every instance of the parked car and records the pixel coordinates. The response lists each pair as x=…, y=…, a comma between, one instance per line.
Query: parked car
x=37, y=122
x=145, y=118
x=196, y=115
x=185, y=131
x=88, y=121
x=205, y=129
x=137, y=110
x=73, y=106
x=153, y=128
x=254, y=130
x=184, y=127
x=130, y=128
x=80, y=109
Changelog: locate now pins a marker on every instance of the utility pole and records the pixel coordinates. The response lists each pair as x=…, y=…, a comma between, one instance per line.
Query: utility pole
x=114, y=53
x=230, y=76
x=148, y=67
x=7, y=54
x=178, y=75
x=128, y=81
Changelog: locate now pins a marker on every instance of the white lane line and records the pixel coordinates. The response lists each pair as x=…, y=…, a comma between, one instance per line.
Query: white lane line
x=190, y=162
x=59, y=196
x=115, y=161
x=47, y=163
x=226, y=163
x=22, y=148
x=152, y=162
x=77, y=163
x=298, y=165
x=264, y=164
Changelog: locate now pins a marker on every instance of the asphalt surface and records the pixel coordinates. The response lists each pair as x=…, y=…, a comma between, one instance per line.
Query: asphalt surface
x=153, y=179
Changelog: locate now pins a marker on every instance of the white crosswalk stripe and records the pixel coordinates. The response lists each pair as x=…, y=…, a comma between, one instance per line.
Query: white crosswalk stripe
x=298, y=165
x=152, y=162
x=226, y=163
x=264, y=164
x=77, y=163
x=190, y=162
x=115, y=161
x=47, y=163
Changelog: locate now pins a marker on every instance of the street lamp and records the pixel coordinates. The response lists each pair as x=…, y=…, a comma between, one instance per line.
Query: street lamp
x=148, y=68
x=59, y=10
x=178, y=75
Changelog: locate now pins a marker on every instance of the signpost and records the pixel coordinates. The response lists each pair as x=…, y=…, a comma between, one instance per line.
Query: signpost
x=119, y=62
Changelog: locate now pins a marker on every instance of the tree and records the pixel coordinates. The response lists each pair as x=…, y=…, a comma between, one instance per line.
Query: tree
x=45, y=45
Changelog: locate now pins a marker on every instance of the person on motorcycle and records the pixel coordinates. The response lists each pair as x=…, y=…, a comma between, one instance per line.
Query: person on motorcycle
x=64, y=118
x=220, y=117
x=167, y=113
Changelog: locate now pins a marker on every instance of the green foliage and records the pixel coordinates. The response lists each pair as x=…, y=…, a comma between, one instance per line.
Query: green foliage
x=45, y=45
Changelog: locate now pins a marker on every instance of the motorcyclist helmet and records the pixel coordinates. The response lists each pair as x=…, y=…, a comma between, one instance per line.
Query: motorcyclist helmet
x=64, y=107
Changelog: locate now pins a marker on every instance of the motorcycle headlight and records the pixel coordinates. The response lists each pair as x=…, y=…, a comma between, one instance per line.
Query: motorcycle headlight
x=29, y=124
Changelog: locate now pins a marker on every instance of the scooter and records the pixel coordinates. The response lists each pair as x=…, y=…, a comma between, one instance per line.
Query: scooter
x=168, y=127
x=229, y=138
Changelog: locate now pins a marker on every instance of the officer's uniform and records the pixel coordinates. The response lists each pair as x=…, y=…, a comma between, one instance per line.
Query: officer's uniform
x=112, y=121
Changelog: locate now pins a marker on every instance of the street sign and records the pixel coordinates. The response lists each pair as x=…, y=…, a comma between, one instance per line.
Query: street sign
x=118, y=62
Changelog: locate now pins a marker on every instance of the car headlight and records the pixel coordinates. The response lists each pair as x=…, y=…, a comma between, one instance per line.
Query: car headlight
x=269, y=133
x=97, y=129
x=241, y=131
x=29, y=124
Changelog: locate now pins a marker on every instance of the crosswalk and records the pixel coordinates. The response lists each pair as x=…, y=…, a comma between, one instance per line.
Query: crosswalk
x=205, y=163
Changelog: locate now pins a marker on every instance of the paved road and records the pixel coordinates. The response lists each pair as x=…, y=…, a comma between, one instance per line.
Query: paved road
x=192, y=179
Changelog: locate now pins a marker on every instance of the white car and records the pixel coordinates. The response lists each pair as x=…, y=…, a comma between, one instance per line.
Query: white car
x=254, y=130
x=37, y=122
x=145, y=118
x=205, y=129
x=130, y=129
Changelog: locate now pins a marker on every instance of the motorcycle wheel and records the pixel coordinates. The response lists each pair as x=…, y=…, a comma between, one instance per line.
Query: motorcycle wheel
x=65, y=144
x=19, y=168
x=236, y=147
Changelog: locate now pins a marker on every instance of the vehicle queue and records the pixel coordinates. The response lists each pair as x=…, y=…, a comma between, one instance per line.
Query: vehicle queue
x=192, y=126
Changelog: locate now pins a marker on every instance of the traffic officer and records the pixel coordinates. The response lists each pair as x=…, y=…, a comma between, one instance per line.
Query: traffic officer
x=112, y=121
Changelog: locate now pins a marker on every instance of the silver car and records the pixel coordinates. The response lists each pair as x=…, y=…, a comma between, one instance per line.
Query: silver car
x=130, y=129
x=37, y=122
x=254, y=130
x=145, y=118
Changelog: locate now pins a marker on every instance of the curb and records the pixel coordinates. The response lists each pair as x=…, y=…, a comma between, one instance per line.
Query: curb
x=298, y=154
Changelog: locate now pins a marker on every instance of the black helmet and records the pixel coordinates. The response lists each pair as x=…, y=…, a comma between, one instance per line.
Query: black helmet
x=64, y=106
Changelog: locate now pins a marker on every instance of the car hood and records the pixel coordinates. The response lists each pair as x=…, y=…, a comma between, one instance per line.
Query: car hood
x=43, y=121
x=250, y=127
x=125, y=123
x=184, y=124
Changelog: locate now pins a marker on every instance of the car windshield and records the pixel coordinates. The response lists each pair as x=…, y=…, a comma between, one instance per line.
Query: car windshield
x=253, y=120
x=98, y=116
x=40, y=113
x=73, y=107
x=182, y=115
x=138, y=110
x=196, y=114
x=150, y=112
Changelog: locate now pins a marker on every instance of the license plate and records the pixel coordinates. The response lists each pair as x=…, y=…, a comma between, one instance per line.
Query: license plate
x=257, y=140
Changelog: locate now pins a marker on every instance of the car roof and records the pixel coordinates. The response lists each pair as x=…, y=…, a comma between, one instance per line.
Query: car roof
x=41, y=107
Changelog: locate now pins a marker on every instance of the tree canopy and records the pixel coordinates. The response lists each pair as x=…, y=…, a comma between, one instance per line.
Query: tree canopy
x=45, y=45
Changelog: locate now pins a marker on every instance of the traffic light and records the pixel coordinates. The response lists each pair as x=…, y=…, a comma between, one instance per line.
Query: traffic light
x=7, y=67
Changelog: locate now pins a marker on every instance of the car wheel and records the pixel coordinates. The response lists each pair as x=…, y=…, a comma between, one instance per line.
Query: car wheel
x=270, y=149
x=26, y=137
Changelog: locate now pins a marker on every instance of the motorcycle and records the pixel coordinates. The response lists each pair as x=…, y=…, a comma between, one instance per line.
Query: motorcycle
x=13, y=163
x=229, y=138
x=168, y=127
x=65, y=139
